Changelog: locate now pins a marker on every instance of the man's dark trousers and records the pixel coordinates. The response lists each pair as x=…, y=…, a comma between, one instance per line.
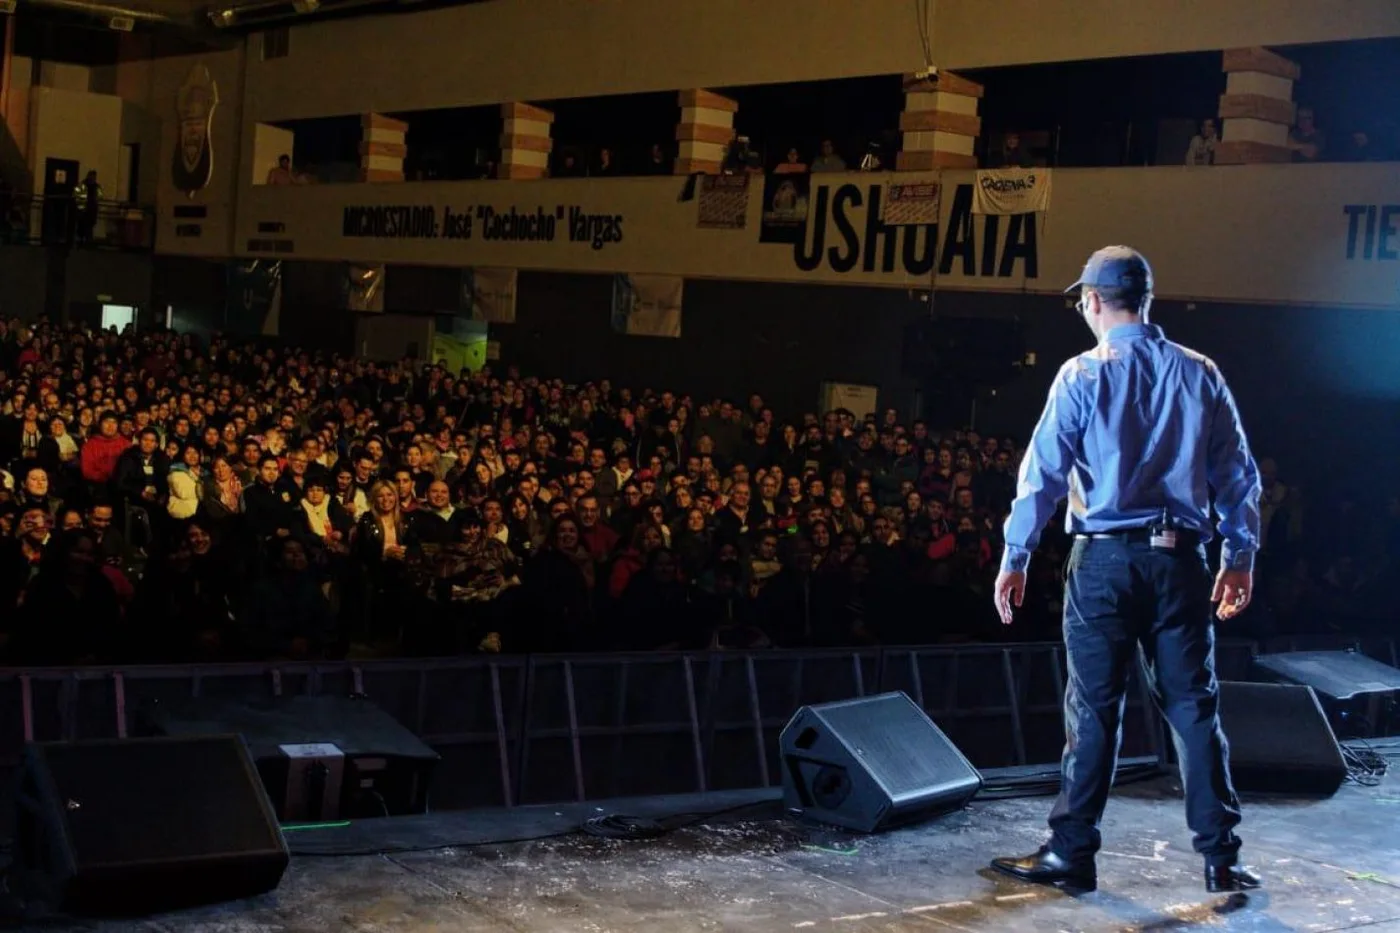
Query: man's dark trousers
x=1121, y=593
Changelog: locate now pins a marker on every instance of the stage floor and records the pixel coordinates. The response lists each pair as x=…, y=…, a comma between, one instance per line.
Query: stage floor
x=1328, y=865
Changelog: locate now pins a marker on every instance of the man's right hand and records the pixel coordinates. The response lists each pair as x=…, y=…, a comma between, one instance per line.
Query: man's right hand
x=1233, y=589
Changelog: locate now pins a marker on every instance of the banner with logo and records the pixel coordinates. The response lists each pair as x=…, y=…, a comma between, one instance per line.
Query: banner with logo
x=1011, y=191
x=907, y=204
x=724, y=202
x=785, y=203
x=647, y=305
x=489, y=294
x=254, y=297
x=1315, y=234
x=364, y=287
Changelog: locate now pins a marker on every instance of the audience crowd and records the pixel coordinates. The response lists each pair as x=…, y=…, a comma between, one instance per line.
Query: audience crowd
x=166, y=500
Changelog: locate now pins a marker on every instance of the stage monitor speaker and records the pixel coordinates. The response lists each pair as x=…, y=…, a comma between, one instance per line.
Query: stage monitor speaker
x=1334, y=675
x=137, y=826
x=871, y=764
x=1280, y=740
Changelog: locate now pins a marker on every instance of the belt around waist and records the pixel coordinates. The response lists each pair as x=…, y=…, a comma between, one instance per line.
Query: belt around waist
x=1185, y=537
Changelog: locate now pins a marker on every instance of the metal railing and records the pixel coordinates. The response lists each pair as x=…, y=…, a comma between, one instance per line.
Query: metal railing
x=60, y=220
x=544, y=728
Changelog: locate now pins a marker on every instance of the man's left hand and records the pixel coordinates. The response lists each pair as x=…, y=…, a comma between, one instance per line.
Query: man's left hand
x=1010, y=589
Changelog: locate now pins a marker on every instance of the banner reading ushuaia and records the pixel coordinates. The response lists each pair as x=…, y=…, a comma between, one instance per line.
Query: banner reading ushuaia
x=1011, y=191
x=1324, y=234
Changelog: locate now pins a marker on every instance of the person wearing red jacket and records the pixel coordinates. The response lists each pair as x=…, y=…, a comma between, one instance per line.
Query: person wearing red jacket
x=99, y=454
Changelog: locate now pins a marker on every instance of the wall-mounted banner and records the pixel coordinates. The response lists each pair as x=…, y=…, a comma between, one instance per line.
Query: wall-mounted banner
x=845, y=235
x=910, y=204
x=489, y=294
x=647, y=305
x=1307, y=233
x=194, y=148
x=364, y=287
x=491, y=223
x=1012, y=191
x=785, y=203
x=724, y=202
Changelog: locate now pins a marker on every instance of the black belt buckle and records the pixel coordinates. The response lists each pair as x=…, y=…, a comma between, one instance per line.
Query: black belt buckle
x=1162, y=537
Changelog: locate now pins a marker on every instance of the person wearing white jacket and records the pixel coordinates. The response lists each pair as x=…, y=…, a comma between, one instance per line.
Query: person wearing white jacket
x=186, y=485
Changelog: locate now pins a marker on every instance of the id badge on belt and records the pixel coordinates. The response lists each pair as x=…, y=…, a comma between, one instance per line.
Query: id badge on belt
x=1162, y=537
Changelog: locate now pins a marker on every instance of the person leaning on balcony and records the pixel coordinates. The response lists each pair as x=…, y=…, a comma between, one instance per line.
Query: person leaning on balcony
x=791, y=165
x=1202, y=148
x=1305, y=139
x=282, y=173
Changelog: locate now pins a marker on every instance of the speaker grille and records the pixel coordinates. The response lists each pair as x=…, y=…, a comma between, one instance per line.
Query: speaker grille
x=163, y=800
x=897, y=742
x=1279, y=739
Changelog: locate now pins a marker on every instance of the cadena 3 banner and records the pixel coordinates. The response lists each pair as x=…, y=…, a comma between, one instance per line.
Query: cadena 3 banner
x=1011, y=191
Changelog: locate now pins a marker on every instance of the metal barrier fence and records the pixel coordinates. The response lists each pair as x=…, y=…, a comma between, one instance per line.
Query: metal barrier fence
x=545, y=728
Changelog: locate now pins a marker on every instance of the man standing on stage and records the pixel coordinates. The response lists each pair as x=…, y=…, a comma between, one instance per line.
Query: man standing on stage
x=1139, y=432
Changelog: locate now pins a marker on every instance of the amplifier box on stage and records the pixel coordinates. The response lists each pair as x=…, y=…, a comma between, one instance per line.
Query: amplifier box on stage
x=320, y=758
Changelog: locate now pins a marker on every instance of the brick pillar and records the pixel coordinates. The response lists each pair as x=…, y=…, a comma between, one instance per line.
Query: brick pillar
x=703, y=135
x=382, y=148
x=526, y=141
x=1257, y=108
x=939, y=124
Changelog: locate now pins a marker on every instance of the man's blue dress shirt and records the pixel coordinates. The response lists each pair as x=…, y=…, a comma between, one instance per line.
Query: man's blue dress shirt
x=1135, y=430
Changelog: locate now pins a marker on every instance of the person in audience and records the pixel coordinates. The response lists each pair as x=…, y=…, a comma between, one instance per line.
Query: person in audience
x=1201, y=151
x=792, y=164
x=1011, y=154
x=1305, y=139
x=657, y=162
x=281, y=173
x=828, y=160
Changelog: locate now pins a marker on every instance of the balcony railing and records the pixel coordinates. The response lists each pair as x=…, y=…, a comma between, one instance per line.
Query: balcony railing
x=63, y=221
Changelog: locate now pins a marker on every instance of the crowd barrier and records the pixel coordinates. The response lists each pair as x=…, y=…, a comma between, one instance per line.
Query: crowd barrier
x=547, y=728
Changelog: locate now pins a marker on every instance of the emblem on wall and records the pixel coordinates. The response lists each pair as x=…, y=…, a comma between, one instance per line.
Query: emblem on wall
x=194, y=151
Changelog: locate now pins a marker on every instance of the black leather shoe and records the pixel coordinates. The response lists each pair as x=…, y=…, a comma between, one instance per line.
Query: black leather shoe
x=1045, y=867
x=1221, y=878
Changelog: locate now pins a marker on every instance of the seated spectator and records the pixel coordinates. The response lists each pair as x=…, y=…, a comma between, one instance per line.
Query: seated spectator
x=1305, y=139
x=604, y=166
x=557, y=591
x=186, y=484
x=657, y=163
x=34, y=493
x=474, y=580
x=281, y=173
x=223, y=493
x=70, y=612
x=287, y=615
x=1201, y=151
x=325, y=527
x=646, y=538
x=100, y=453
x=829, y=160
x=792, y=164
x=1010, y=154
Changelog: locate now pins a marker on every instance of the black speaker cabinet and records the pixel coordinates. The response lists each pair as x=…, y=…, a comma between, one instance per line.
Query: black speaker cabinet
x=135, y=826
x=1280, y=740
x=872, y=764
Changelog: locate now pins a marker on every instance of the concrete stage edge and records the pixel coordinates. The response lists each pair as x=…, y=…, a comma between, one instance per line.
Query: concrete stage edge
x=1329, y=865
